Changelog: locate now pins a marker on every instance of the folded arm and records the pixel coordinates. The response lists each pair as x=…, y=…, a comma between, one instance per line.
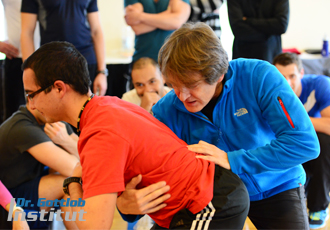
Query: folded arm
x=277, y=24
x=177, y=13
x=131, y=20
x=240, y=28
x=322, y=124
x=173, y=18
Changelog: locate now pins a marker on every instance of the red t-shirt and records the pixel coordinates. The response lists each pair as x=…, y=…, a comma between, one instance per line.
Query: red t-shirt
x=120, y=140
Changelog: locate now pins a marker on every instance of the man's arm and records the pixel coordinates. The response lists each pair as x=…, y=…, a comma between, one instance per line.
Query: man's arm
x=58, y=133
x=146, y=200
x=288, y=120
x=322, y=124
x=138, y=27
x=28, y=22
x=98, y=211
x=142, y=29
x=100, y=81
x=277, y=24
x=5, y=201
x=9, y=50
x=240, y=28
x=54, y=157
x=177, y=13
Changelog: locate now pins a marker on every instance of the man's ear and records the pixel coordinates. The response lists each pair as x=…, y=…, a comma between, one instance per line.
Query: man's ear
x=221, y=78
x=163, y=78
x=60, y=87
x=302, y=72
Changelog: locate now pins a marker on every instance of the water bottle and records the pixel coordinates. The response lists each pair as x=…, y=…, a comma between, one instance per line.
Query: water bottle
x=325, y=48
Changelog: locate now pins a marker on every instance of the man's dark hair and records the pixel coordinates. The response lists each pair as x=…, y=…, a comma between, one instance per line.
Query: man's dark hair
x=285, y=59
x=59, y=61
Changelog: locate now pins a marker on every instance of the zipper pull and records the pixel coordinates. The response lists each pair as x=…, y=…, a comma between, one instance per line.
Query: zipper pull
x=285, y=111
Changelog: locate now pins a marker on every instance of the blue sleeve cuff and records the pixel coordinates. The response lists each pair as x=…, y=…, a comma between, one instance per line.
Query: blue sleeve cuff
x=130, y=218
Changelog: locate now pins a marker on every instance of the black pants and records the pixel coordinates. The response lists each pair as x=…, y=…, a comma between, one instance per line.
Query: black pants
x=286, y=210
x=13, y=91
x=229, y=206
x=318, y=177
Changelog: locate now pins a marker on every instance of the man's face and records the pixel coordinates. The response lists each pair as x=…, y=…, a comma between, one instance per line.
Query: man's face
x=148, y=79
x=42, y=102
x=292, y=75
x=39, y=117
x=197, y=96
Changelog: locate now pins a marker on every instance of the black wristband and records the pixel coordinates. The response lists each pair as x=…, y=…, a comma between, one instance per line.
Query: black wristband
x=68, y=181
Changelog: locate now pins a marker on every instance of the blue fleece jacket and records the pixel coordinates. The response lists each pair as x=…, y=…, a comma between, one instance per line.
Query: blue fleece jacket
x=258, y=121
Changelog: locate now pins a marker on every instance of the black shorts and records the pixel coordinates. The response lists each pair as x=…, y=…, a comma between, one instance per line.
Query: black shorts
x=29, y=191
x=228, y=208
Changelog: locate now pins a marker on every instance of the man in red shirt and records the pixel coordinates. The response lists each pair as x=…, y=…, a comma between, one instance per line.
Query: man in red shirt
x=119, y=141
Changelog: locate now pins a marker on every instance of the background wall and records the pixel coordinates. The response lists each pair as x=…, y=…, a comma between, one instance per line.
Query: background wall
x=309, y=22
x=118, y=36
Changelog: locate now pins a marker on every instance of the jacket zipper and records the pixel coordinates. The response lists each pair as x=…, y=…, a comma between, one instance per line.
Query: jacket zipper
x=286, y=112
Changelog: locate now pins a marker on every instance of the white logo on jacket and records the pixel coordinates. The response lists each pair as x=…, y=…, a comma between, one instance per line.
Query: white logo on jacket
x=241, y=112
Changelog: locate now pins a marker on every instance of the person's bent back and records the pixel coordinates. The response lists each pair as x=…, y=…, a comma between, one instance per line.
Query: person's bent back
x=118, y=141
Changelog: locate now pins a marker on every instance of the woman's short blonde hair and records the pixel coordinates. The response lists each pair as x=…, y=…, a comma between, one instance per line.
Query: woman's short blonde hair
x=193, y=48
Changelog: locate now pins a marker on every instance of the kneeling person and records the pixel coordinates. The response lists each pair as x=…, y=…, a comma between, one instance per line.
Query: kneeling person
x=25, y=149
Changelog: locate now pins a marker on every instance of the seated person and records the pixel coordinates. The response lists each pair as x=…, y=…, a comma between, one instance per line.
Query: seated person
x=119, y=141
x=148, y=84
x=25, y=150
x=314, y=92
x=5, y=198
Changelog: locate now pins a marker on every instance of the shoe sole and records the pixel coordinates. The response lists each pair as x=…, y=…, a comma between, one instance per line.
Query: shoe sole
x=319, y=226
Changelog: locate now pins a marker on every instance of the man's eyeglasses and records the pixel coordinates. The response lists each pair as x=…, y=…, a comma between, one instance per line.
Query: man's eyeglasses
x=31, y=95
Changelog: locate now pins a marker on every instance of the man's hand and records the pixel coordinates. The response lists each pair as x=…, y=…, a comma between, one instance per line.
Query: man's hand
x=149, y=99
x=100, y=84
x=133, y=13
x=57, y=132
x=210, y=153
x=147, y=200
x=8, y=49
x=20, y=224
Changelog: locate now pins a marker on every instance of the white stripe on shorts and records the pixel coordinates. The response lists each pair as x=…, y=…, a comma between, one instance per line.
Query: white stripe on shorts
x=203, y=218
